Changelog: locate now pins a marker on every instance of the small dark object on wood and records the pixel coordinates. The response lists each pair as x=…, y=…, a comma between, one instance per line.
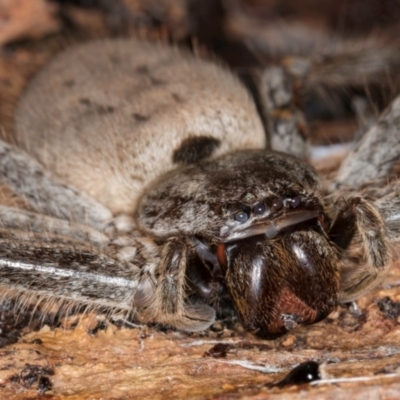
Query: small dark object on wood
x=305, y=372
x=220, y=350
x=32, y=373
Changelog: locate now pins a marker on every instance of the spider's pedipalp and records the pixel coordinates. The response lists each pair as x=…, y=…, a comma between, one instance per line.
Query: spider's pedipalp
x=169, y=304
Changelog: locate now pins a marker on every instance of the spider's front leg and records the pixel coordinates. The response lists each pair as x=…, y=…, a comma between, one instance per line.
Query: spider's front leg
x=162, y=295
x=360, y=231
x=366, y=230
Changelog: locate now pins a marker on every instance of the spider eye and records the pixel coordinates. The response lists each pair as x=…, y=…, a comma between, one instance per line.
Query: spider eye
x=259, y=209
x=295, y=202
x=241, y=217
x=277, y=204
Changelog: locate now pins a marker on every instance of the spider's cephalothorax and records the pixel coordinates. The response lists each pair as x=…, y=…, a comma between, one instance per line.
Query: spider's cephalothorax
x=151, y=191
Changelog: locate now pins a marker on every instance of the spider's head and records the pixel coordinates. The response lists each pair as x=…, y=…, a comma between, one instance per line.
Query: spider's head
x=219, y=199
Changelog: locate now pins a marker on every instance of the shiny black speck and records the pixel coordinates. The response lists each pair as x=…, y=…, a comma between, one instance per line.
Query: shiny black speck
x=305, y=372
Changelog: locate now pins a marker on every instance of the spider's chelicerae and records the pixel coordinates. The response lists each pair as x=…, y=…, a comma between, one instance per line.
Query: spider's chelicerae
x=146, y=184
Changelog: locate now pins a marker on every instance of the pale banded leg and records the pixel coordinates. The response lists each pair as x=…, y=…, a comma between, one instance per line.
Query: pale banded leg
x=30, y=223
x=283, y=120
x=52, y=264
x=25, y=177
x=374, y=157
x=65, y=277
x=63, y=274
